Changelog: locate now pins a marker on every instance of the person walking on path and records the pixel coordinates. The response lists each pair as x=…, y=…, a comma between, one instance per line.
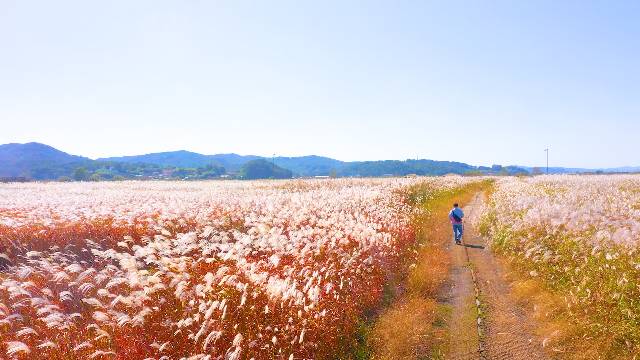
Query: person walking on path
x=455, y=216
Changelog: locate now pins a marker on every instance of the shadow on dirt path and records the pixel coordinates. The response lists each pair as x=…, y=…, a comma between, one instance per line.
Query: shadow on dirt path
x=505, y=330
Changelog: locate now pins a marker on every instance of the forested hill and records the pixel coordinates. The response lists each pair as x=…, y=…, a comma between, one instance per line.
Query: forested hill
x=320, y=166
x=35, y=161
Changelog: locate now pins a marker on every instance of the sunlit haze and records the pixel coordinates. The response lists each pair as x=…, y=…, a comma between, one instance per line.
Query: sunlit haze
x=478, y=82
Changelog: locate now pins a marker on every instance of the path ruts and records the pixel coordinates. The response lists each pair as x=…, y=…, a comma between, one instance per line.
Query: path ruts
x=504, y=330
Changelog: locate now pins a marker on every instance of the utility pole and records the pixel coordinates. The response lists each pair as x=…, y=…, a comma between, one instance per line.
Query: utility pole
x=547, y=151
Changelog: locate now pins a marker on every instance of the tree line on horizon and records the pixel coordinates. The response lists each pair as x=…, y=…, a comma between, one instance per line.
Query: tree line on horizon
x=35, y=161
x=251, y=170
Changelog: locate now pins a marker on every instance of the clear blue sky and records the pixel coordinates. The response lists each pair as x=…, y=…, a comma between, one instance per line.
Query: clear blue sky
x=476, y=81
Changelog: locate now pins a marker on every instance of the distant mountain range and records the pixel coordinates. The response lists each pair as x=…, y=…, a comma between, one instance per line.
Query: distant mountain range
x=35, y=161
x=186, y=159
x=313, y=165
x=25, y=159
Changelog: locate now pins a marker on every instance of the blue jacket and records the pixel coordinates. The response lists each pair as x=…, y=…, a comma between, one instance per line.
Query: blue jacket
x=458, y=212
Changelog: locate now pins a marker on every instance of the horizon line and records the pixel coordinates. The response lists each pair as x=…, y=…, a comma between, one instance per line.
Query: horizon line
x=327, y=157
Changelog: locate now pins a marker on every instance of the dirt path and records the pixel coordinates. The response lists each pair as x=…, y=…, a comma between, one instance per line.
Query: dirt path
x=505, y=331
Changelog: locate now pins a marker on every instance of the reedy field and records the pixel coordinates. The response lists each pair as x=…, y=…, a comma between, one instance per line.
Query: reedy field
x=576, y=239
x=292, y=269
x=233, y=270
